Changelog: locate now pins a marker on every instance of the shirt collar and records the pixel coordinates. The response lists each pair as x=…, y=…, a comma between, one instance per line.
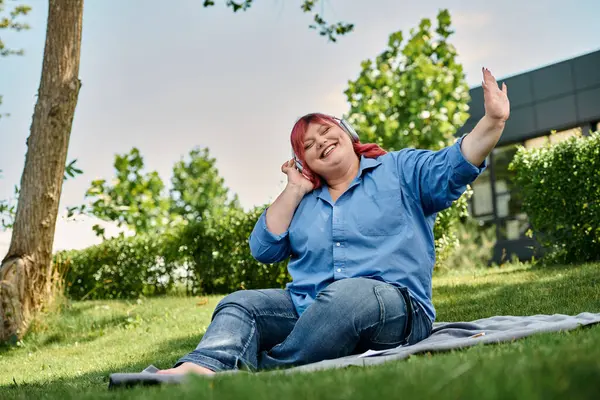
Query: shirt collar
x=366, y=164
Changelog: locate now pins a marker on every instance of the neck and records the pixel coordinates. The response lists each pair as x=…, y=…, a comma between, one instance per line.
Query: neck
x=344, y=176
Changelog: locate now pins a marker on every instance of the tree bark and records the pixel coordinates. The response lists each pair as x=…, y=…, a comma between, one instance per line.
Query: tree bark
x=26, y=273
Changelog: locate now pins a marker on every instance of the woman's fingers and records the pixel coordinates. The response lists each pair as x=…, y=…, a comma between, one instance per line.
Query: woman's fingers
x=287, y=165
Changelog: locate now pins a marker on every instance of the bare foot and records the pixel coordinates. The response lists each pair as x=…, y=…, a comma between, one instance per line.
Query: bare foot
x=185, y=368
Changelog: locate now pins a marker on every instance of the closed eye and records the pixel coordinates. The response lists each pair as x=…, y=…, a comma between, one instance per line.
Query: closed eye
x=323, y=132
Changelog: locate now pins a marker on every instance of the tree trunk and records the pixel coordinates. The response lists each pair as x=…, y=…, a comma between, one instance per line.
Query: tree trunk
x=26, y=271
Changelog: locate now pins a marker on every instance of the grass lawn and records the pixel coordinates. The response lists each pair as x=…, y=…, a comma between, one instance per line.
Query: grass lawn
x=71, y=355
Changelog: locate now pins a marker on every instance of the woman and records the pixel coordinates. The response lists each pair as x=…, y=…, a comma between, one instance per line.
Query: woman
x=357, y=224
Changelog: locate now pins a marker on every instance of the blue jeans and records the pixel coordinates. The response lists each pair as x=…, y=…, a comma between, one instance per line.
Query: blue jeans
x=260, y=329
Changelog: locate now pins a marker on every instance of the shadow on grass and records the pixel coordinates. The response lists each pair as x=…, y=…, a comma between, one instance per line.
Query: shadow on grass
x=83, y=335
x=562, y=290
x=163, y=356
x=94, y=332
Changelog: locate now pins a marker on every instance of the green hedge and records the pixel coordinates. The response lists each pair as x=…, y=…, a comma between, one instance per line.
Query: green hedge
x=208, y=257
x=560, y=185
x=120, y=267
x=219, y=259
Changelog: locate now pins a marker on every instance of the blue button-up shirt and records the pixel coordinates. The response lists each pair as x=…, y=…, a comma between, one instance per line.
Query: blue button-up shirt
x=381, y=227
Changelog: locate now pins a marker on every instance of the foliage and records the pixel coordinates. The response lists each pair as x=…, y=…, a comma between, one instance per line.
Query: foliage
x=446, y=228
x=560, y=186
x=328, y=30
x=8, y=208
x=133, y=198
x=207, y=256
x=197, y=188
x=11, y=21
x=331, y=30
x=139, y=201
x=414, y=94
x=475, y=246
x=220, y=259
x=121, y=267
x=71, y=170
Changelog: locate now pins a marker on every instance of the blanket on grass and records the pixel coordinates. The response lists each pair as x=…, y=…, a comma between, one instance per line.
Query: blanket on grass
x=445, y=336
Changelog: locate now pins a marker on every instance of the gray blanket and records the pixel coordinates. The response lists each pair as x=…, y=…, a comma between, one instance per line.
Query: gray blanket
x=445, y=336
x=455, y=335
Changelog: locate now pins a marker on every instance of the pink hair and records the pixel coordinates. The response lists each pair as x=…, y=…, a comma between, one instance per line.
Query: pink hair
x=369, y=150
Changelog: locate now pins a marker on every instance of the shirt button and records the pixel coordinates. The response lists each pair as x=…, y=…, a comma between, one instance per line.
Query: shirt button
x=338, y=244
x=339, y=270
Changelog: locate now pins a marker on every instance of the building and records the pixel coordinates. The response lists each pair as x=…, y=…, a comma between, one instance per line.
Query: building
x=562, y=97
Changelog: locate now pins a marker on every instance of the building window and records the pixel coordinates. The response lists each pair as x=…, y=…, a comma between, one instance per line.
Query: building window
x=553, y=138
x=507, y=195
x=540, y=141
x=481, y=201
x=514, y=228
x=508, y=213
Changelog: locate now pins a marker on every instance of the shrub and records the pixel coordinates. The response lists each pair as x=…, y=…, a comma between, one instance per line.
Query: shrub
x=446, y=230
x=219, y=258
x=121, y=267
x=560, y=185
x=211, y=256
x=475, y=246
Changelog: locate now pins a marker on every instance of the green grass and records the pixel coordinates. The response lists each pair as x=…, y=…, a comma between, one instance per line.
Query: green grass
x=71, y=355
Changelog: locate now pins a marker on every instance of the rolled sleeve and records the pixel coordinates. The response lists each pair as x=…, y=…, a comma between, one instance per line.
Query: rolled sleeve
x=464, y=171
x=437, y=178
x=265, y=246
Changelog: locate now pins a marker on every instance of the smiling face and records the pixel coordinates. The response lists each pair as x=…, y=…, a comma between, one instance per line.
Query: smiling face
x=328, y=149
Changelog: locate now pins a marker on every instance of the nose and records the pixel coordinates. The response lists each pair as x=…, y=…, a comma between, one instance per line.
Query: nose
x=321, y=141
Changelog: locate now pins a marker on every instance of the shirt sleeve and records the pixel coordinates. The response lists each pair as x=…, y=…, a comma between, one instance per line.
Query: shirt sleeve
x=436, y=178
x=265, y=246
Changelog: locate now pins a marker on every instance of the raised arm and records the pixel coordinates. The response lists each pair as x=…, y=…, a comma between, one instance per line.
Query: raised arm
x=269, y=240
x=438, y=178
x=478, y=144
x=280, y=213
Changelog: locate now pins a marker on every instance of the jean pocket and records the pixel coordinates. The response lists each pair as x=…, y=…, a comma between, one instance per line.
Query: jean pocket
x=392, y=316
x=421, y=325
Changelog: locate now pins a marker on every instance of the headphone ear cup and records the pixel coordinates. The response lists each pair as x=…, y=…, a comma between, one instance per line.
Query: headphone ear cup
x=349, y=130
x=297, y=162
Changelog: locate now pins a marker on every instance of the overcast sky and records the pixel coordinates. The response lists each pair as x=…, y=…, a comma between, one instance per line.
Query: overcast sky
x=167, y=78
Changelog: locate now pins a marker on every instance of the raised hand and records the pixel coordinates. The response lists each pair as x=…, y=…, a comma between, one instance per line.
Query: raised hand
x=296, y=179
x=495, y=101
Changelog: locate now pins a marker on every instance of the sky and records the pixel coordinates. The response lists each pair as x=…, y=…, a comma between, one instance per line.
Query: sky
x=166, y=78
